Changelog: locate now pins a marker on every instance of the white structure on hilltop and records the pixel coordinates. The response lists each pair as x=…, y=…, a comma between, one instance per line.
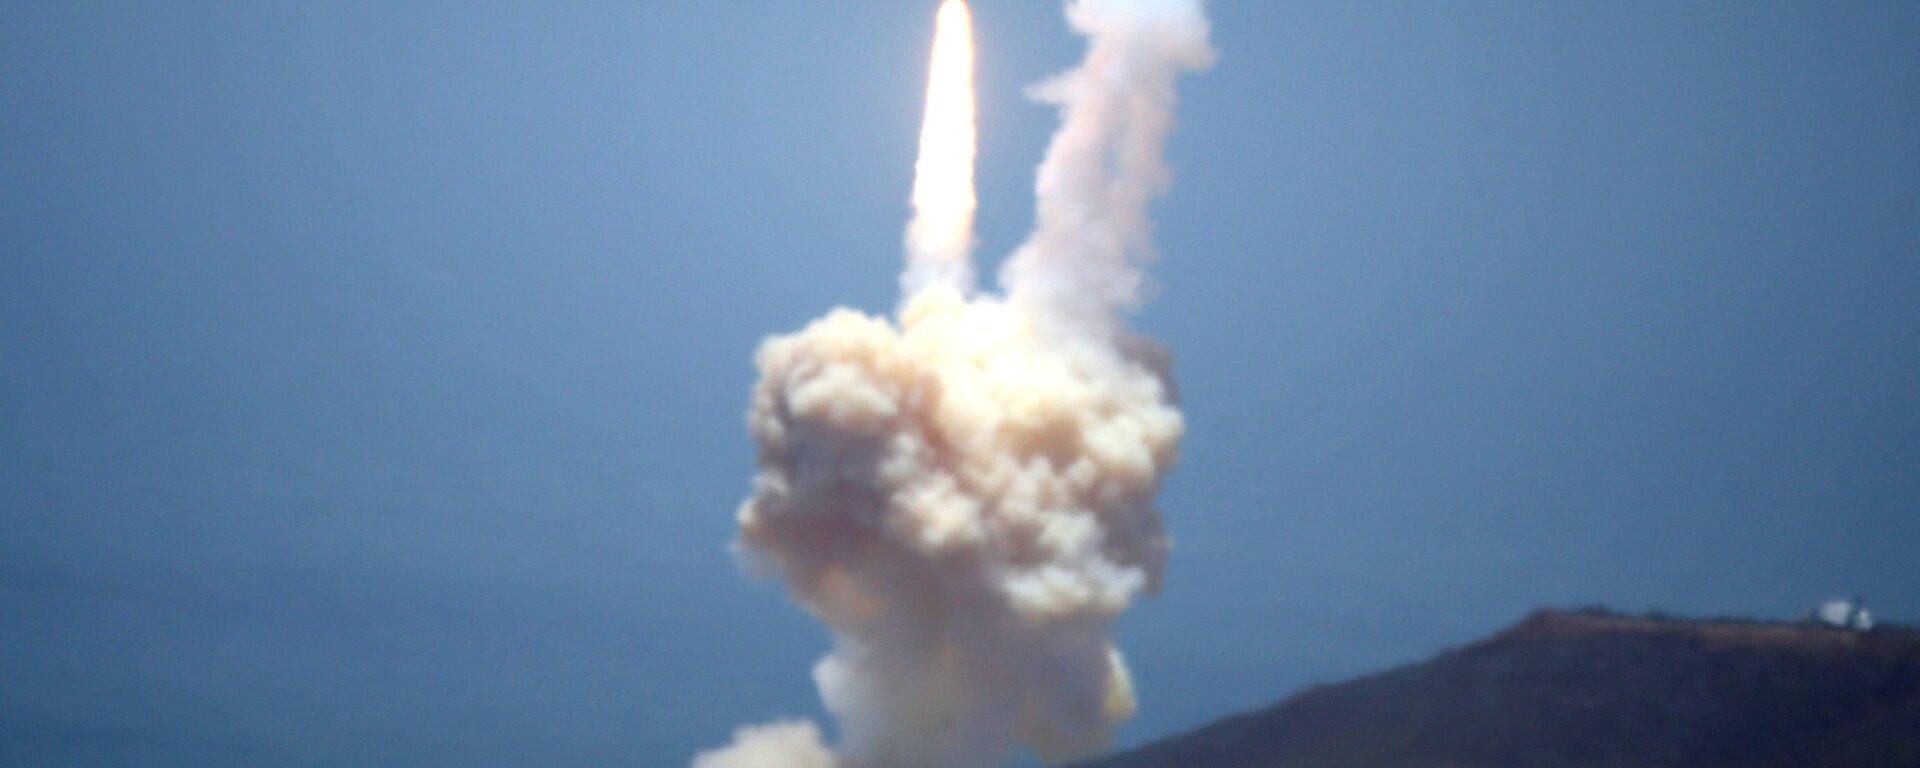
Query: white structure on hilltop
x=1842, y=614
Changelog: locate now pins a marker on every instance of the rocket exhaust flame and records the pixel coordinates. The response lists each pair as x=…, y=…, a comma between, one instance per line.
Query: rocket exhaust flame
x=965, y=494
x=941, y=236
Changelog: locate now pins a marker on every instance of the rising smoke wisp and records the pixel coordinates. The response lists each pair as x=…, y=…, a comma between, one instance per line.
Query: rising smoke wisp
x=965, y=494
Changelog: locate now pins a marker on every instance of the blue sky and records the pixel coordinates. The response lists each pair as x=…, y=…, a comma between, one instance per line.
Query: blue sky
x=371, y=374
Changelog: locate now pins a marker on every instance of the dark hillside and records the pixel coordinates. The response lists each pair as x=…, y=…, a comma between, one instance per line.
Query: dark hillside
x=1572, y=690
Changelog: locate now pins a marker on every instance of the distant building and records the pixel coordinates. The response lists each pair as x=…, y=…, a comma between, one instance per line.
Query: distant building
x=1842, y=614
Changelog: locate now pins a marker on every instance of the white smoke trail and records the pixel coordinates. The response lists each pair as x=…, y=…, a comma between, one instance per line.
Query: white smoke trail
x=1104, y=165
x=966, y=497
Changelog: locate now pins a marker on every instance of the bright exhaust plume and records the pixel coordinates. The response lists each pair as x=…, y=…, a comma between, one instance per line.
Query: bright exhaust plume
x=964, y=493
x=940, y=238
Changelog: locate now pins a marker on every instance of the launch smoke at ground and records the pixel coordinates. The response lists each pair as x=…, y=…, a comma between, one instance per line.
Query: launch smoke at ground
x=965, y=495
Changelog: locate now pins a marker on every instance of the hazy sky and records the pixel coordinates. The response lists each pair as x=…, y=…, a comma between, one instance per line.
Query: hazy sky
x=372, y=374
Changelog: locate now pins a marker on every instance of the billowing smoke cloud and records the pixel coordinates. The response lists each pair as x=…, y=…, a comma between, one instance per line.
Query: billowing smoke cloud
x=965, y=496
x=780, y=745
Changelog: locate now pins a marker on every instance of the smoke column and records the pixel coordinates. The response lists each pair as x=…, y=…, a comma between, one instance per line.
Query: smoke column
x=964, y=494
